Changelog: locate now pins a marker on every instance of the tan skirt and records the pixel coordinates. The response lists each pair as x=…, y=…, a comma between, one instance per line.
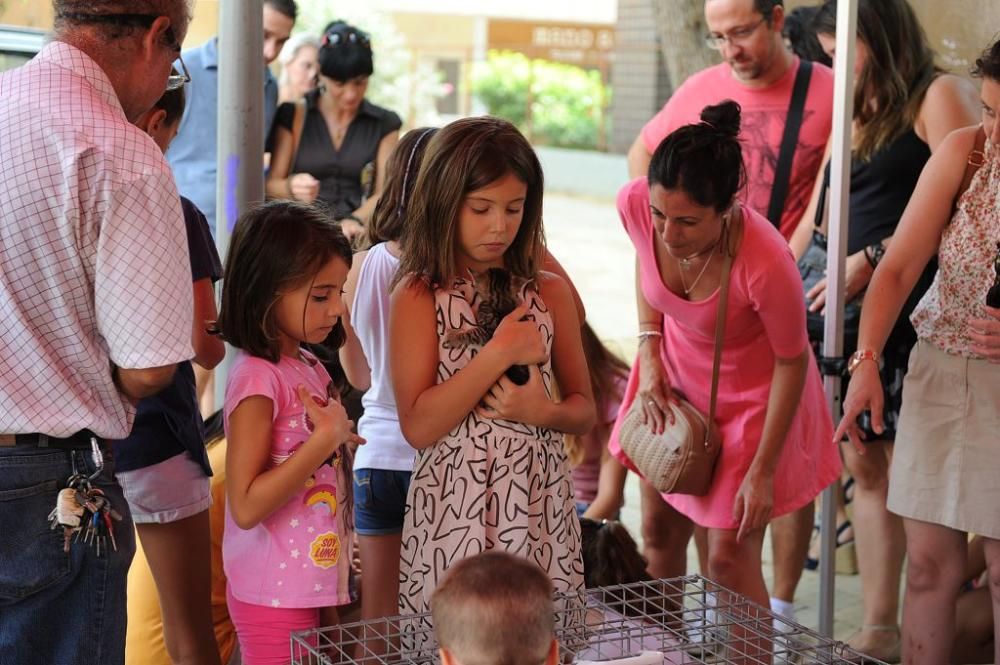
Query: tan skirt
x=946, y=463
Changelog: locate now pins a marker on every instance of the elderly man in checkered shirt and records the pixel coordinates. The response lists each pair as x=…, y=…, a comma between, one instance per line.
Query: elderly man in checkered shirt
x=95, y=311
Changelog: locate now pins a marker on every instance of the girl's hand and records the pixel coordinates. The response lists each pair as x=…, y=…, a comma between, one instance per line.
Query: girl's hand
x=864, y=393
x=520, y=340
x=754, y=502
x=985, y=335
x=351, y=228
x=303, y=187
x=520, y=404
x=330, y=424
x=857, y=273
x=654, y=391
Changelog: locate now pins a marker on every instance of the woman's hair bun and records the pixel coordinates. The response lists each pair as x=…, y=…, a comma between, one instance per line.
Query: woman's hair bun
x=723, y=117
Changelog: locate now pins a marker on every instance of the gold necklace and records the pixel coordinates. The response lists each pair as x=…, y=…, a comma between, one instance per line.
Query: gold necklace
x=689, y=289
x=685, y=262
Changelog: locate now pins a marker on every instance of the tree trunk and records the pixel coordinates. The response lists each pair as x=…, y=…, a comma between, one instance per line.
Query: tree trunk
x=681, y=27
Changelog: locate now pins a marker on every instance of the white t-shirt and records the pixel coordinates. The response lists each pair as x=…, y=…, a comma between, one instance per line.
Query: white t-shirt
x=94, y=266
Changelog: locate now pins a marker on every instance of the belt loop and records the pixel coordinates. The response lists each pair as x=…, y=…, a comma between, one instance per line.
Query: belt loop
x=43, y=440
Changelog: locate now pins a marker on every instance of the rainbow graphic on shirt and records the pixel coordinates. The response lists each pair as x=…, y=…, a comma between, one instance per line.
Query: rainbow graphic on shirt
x=320, y=494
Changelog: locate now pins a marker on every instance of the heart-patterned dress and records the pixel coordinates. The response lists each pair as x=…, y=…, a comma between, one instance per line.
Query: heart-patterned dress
x=488, y=484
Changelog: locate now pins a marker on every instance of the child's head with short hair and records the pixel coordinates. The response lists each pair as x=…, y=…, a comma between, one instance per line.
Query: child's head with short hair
x=162, y=121
x=465, y=157
x=285, y=269
x=495, y=609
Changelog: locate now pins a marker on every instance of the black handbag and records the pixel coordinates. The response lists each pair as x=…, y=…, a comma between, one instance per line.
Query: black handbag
x=812, y=268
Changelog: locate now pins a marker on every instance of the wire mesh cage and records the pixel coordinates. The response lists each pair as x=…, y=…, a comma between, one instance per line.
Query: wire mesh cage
x=661, y=622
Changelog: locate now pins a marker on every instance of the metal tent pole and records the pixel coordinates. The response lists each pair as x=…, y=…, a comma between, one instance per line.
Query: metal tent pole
x=833, y=342
x=241, y=127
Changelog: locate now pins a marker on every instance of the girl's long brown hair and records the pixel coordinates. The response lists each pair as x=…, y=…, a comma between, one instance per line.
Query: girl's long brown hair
x=899, y=69
x=401, y=175
x=467, y=155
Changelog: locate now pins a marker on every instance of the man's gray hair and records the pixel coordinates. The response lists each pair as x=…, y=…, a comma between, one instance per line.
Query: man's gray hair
x=101, y=14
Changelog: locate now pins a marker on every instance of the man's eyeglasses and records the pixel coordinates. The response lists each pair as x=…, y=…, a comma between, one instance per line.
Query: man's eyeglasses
x=177, y=81
x=174, y=81
x=736, y=36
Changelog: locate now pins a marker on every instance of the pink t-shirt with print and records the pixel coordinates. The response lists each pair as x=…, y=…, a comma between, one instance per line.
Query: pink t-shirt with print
x=300, y=555
x=762, y=126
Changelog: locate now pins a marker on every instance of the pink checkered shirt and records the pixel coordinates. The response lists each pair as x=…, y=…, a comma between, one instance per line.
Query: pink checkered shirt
x=94, y=265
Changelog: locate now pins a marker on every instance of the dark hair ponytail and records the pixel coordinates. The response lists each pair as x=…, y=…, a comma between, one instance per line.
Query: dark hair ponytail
x=704, y=159
x=401, y=173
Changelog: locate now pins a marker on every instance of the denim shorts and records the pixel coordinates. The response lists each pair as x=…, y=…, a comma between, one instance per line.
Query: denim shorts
x=169, y=491
x=58, y=607
x=379, y=501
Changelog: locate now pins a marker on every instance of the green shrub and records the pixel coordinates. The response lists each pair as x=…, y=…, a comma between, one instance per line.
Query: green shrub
x=565, y=107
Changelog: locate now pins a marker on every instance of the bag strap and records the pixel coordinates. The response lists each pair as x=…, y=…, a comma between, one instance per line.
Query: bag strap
x=789, y=141
x=298, y=122
x=976, y=159
x=720, y=328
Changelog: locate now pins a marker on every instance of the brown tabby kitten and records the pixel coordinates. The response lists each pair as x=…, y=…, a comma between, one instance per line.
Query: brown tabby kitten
x=499, y=293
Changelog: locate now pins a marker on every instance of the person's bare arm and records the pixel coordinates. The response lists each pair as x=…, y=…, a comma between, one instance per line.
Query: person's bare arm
x=916, y=240
x=802, y=236
x=638, y=158
x=551, y=264
x=610, y=485
x=281, y=183
x=209, y=350
x=352, y=357
x=530, y=404
x=353, y=228
x=427, y=409
x=950, y=103
x=137, y=384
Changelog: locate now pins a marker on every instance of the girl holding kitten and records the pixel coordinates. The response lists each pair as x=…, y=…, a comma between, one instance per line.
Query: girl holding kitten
x=490, y=470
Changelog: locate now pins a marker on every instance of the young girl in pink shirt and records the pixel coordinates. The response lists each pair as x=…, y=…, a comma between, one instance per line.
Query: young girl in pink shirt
x=287, y=543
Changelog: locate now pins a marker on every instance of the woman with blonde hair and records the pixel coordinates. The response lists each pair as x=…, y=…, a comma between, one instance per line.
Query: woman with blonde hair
x=299, y=67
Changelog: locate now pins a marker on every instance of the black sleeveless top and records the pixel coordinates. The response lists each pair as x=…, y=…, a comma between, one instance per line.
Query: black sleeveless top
x=341, y=173
x=880, y=190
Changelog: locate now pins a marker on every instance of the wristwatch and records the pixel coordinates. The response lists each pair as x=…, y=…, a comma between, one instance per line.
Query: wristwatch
x=859, y=357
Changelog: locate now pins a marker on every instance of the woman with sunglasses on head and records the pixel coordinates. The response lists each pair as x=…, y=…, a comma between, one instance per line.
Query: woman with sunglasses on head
x=338, y=158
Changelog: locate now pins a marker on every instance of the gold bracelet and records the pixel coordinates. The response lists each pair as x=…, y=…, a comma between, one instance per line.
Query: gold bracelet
x=859, y=357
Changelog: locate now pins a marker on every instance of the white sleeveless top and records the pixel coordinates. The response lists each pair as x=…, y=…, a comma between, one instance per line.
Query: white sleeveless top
x=386, y=447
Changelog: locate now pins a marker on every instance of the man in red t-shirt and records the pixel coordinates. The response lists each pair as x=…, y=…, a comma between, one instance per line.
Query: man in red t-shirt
x=759, y=73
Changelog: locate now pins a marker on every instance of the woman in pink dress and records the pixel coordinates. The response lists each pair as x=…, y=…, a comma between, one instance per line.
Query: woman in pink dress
x=777, y=453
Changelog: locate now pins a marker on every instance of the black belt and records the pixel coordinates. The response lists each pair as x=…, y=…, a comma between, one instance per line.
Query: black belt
x=77, y=441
